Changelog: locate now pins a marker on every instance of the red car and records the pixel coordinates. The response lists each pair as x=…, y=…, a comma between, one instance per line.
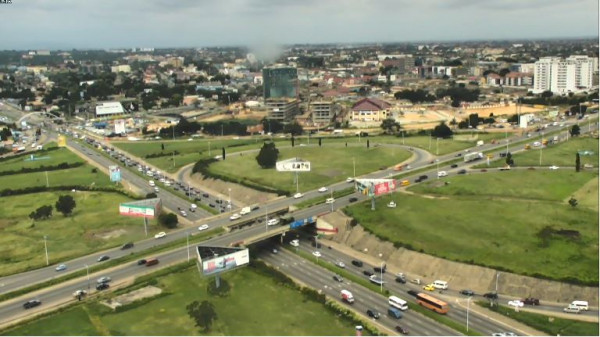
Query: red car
x=531, y=301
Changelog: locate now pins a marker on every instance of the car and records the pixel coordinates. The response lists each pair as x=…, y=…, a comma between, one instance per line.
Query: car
x=298, y=195
x=423, y=177
x=429, y=287
x=553, y=167
x=508, y=333
x=79, y=293
x=400, y=278
x=412, y=292
x=572, y=309
x=442, y=174
x=127, y=246
x=104, y=279
x=205, y=195
x=103, y=258
x=160, y=235
x=338, y=278
x=102, y=286
x=322, y=189
x=349, y=179
x=357, y=263
x=353, y=199
x=491, y=296
x=219, y=201
x=295, y=243
x=391, y=204
x=183, y=213
x=317, y=253
x=516, y=303
x=340, y=264
x=61, y=267
x=368, y=273
x=255, y=208
x=141, y=262
x=454, y=166
x=203, y=227
x=463, y=171
x=531, y=301
x=467, y=292
x=401, y=330
x=329, y=200
x=274, y=251
x=235, y=216
x=459, y=154
x=373, y=313
x=31, y=304
x=212, y=205
x=498, y=334
x=272, y=222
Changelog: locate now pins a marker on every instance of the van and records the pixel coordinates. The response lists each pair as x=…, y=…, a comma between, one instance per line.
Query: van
x=395, y=313
x=582, y=305
x=151, y=262
x=440, y=284
x=245, y=210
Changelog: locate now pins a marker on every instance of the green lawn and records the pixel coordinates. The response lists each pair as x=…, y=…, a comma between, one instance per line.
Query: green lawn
x=95, y=225
x=553, y=326
x=487, y=225
x=561, y=154
x=82, y=175
x=255, y=306
x=50, y=158
x=329, y=164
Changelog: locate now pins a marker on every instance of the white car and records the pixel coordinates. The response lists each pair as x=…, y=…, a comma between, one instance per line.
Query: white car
x=442, y=174
x=183, y=214
x=156, y=189
x=317, y=253
x=553, y=167
x=349, y=179
x=295, y=243
x=340, y=264
x=203, y=227
x=235, y=216
x=79, y=293
x=298, y=195
x=330, y=201
x=391, y=204
x=160, y=235
x=516, y=303
x=322, y=189
x=272, y=222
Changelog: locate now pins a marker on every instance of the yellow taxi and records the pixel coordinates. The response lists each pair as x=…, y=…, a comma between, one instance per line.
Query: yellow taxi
x=429, y=287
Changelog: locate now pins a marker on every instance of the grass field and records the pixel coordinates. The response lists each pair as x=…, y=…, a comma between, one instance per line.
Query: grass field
x=82, y=175
x=561, y=154
x=54, y=157
x=255, y=306
x=553, y=326
x=94, y=225
x=495, y=222
x=328, y=165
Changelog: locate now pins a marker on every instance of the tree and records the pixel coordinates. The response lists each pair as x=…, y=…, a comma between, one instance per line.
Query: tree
x=442, y=131
x=162, y=146
x=168, y=220
x=509, y=160
x=577, y=162
x=202, y=313
x=43, y=212
x=573, y=202
x=65, y=204
x=575, y=130
x=390, y=126
x=294, y=128
x=267, y=157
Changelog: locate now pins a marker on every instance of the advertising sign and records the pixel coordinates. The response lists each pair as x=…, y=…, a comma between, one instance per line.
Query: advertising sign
x=224, y=263
x=115, y=173
x=148, y=208
x=293, y=165
x=119, y=126
x=62, y=141
x=375, y=186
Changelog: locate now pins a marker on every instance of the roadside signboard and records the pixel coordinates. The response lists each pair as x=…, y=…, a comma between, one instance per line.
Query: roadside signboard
x=115, y=173
x=216, y=260
x=293, y=165
x=148, y=208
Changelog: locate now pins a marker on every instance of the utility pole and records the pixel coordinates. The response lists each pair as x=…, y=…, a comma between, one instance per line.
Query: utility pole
x=187, y=239
x=46, y=249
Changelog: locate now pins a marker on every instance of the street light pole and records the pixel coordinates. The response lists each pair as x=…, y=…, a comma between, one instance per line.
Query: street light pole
x=541, y=148
x=437, y=147
x=497, y=275
x=381, y=277
x=46, y=249
x=209, y=149
x=88, y=276
x=402, y=137
x=354, y=167
x=187, y=239
x=229, y=202
x=437, y=161
x=468, y=306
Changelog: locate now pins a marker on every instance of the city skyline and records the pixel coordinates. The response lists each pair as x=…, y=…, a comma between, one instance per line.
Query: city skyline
x=70, y=24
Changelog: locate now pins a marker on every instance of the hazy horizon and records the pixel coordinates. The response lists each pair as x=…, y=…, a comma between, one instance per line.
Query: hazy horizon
x=113, y=24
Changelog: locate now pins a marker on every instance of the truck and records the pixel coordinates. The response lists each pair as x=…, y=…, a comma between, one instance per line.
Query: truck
x=347, y=296
x=473, y=156
x=245, y=210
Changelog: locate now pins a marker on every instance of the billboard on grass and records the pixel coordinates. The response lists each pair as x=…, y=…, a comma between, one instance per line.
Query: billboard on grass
x=375, y=186
x=148, y=208
x=115, y=173
x=293, y=165
x=220, y=259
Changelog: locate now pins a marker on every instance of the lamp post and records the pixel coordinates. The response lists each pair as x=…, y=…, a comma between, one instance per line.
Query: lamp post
x=266, y=218
x=187, y=240
x=229, y=201
x=468, y=306
x=87, y=268
x=46, y=249
x=497, y=275
x=541, y=148
x=402, y=137
x=437, y=146
x=209, y=149
x=381, y=276
x=354, y=167
x=437, y=162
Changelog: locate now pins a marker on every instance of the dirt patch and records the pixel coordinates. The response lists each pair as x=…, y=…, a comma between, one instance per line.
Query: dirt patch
x=110, y=235
x=240, y=195
x=146, y=292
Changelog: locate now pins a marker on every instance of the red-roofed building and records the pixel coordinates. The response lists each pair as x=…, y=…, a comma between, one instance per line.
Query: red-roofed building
x=370, y=109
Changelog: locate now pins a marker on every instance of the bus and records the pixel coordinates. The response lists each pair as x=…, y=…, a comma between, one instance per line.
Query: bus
x=398, y=303
x=432, y=303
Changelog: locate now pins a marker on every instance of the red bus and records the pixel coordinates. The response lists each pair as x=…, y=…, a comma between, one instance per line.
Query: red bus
x=432, y=303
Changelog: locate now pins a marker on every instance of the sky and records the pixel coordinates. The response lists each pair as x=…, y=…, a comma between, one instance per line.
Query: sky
x=85, y=24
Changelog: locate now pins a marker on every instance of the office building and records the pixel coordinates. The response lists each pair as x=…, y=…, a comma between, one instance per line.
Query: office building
x=280, y=82
x=563, y=76
x=322, y=112
x=282, y=109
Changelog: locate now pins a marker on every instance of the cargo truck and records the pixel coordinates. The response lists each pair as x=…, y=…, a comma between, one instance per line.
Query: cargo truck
x=347, y=296
x=473, y=156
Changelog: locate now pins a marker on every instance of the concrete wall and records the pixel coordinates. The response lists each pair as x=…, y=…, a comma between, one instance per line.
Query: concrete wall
x=479, y=279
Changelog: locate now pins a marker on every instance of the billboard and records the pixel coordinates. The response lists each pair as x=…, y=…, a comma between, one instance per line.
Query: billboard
x=115, y=173
x=148, y=208
x=375, y=186
x=293, y=165
x=119, y=126
x=218, y=264
x=62, y=141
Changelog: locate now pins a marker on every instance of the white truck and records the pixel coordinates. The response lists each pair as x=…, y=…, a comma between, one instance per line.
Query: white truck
x=245, y=210
x=347, y=296
x=473, y=156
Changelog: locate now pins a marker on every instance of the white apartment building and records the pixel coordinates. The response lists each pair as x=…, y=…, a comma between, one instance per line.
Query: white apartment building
x=563, y=76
